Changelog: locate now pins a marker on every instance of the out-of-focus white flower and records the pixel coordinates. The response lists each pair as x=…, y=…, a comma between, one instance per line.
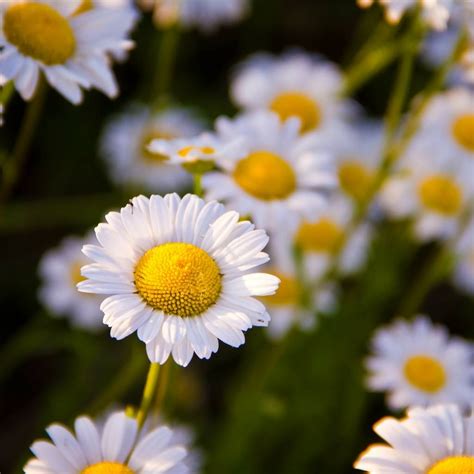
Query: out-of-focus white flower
x=418, y=363
x=279, y=175
x=60, y=271
x=70, y=47
x=464, y=272
x=125, y=147
x=178, y=273
x=295, y=84
x=117, y=448
x=435, y=440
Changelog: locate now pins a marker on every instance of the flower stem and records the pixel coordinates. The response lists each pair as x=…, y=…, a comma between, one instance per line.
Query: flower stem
x=12, y=168
x=197, y=184
x=148, y=393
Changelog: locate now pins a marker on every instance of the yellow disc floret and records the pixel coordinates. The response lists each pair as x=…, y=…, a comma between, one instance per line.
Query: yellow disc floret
x=148, y=136
x=463, y=131
x=75, y=273
x=107, y=468
x=355, y=179
x=425, y=373
x=178, y=278
x=288, y=292
x=297, y=104
x=453, y=465
x=84, y=6
x=265, y=175
x=441, y=194
x=325, y=236
x=39, y=31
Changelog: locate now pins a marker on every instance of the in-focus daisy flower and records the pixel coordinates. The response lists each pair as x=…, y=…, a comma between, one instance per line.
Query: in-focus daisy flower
x=205, y=15
x=323, y=238
x=60, y=271
x=278, y=174
x=178, y=273
x=293, y=85
x=436, y=13
x=117, y=448
x=464, y=272
x=70, y=49
x=435, y=440
x=418, y=363
x=125, y=147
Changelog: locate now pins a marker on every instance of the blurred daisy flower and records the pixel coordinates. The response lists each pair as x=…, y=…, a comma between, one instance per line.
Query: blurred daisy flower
x=278, y=174
x=117, y=448
x=178, y=273
x=70, y=46
x=435, y=440
x=60, y=272
x=125, y=143
x=464, y=271
x=205, y=15
x=295, y=84
x=418, y=363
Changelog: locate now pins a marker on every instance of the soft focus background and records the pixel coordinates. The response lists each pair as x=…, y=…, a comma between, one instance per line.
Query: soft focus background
x=299, y=406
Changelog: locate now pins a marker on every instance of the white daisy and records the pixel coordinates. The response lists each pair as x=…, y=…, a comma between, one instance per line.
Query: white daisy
x=464, y=272
x=279, y=175
x=418, y=363
x=118, y=448
x=295, y=84
x=178, y=273
x=125, y=147
x=60, y=271
x=435, y=440
x=71, y=50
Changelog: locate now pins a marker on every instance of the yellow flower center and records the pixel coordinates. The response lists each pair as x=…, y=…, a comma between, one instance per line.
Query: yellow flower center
x=288, y=292
x=107, y=468
x=178, y=278
x=463, y=131
x=453, y=465
x=75, y=273
x=265, y=175
x=296, y=104
x=84, y=6
x=148, y=136
x=39, y=31
x=441, y=194
x=425, y=373
x=324, y=235
x=205, y=150
x=355, y=179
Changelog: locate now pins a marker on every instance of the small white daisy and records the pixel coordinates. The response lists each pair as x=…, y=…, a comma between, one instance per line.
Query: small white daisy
x=279, y=175
x=70, y=49
x=295, y=84
x=178, y=273
x=418, y=363
x=464, y=272
x=435, y=440
x=117, y=448
x=125, y=147
x=60, y=271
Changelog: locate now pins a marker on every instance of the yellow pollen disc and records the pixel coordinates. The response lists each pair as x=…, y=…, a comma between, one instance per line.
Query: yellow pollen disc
x=39, y=31
x=296, y=104
x=453, y=465
x=321, y=236
x=107, y=468
x=179, y=279
x=355, y=179
x=75, y=273
x=84, y=6
x=205, y=150
x=463, y=131
x=148, y=136
x=425, y=373
x=265, y=175
x=288, y=292
x=441, y=194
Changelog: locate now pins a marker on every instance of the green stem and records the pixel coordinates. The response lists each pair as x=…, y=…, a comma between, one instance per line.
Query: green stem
x=6, y=94
x=148, y=393
x=12, y=168
x=197, y=184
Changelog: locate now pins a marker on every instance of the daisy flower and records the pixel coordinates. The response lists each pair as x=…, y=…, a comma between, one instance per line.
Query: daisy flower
x=418, y=363
x=70, y=49
x=464, y=272
x=60, y=271
x=278, y=175
x=178, y=273
x=295, y=84
x=117, y=448
x=435, y=440
x=125, y=142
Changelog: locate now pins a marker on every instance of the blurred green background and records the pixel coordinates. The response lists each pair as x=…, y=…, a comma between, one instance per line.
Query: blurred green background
x=295, y=407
